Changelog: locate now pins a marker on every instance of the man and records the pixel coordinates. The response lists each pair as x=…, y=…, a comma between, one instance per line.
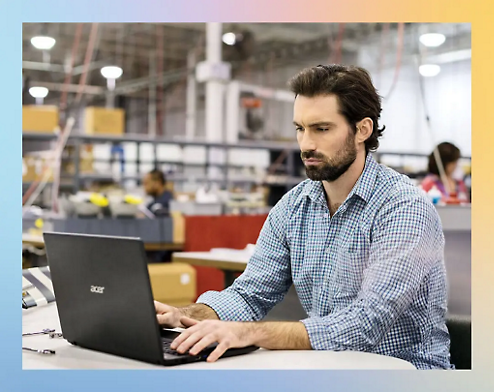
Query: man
x=154, y=184
x=362, y=245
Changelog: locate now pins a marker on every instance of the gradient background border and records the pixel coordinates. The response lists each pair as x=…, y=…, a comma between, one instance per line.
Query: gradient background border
x=15, y=12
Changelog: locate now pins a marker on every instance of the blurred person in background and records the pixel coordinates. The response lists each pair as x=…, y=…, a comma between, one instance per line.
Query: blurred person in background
x=362, y=245
x=154, y=184
x=450, y=155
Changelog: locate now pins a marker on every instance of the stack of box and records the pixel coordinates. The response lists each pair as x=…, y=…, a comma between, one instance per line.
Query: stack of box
x=33, y=165
x=86, y=160
x=104, y=121
x=39, y=118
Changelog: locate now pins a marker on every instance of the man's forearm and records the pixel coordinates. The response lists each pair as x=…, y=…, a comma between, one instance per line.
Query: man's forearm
x=199, y=312
x=274, y=335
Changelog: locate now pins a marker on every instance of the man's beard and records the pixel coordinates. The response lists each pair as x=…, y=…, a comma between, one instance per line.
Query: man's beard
x=330, y=169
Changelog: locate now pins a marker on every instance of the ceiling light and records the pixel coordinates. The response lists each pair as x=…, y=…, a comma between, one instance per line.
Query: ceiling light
x=111, y=72
x=432, y=40
x=229, y=38
x=43, y=42
x=428, y=70
x=38, y=92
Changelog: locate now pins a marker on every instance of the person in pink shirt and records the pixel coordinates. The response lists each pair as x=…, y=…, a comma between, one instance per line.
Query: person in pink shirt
x=450, y=155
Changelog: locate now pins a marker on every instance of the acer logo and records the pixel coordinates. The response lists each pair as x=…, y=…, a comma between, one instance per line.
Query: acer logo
x=97, y=289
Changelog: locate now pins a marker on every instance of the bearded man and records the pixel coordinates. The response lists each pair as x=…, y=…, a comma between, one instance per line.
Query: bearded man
x=362, y=245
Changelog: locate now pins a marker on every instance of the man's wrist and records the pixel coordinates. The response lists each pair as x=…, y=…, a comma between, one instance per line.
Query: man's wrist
x=183, y=312
x=249, y=332
x=274, y=335
x=199, y=312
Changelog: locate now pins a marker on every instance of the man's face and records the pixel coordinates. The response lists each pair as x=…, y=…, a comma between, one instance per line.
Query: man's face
x=326, y=140
x=150, y=186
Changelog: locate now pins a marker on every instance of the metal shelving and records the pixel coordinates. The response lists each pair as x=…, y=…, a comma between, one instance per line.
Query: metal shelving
x=37, y=136
x=77, y=140
x=136, y=138
x=288, y=167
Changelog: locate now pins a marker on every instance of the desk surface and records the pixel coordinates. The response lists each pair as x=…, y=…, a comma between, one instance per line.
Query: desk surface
x=224, y=260
x=37, y=241
x=70, y=357
x=455, y=217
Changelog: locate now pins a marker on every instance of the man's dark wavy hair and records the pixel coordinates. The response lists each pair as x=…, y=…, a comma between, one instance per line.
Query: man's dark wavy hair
x=356, y=95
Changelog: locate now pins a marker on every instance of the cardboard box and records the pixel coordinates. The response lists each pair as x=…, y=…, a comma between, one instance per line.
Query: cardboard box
x=104, y=121
x=86, y=160
x=39, y=118
x=28, y=169
x=173, y=283
x=32, y=168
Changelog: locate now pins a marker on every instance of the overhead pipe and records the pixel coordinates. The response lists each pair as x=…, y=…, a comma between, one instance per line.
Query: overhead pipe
x=70, y=88
x=144, y=82
x=87, y=60
x=68, y=75
x=337, y=45
x=121, y=89
x=82, y=81
x=59, y=68
x=48, y=67
x=399, y=60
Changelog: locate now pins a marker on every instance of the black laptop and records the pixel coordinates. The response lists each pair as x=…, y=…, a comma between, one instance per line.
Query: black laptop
x=105, y=302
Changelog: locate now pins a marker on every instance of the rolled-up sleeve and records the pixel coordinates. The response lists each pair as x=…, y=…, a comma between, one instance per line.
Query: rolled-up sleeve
x=266, y=278
x=407, y=241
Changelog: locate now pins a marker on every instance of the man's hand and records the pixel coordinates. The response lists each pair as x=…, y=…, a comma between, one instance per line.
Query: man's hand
x=168, y=316
x=200, y=334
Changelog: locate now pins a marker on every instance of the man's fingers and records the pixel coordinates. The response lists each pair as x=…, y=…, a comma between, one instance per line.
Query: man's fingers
x=162, y=308
x=190, y=342
x=203, y=343
x=166, y=319
x=188, y=322
x=218, y=352
x=182, y=337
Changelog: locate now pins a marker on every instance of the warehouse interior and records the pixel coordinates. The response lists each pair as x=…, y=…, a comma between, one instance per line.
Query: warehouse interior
x=208, y=105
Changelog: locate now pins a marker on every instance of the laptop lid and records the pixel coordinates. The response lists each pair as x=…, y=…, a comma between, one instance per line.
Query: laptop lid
x=104, y=295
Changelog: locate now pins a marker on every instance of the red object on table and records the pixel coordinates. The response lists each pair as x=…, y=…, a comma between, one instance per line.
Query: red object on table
x=223, y=231
x=452, y=199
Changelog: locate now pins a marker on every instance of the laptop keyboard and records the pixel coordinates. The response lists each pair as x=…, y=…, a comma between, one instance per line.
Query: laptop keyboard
x=168, y=350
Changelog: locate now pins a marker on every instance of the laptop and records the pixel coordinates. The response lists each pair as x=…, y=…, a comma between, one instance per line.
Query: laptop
x=105, y=302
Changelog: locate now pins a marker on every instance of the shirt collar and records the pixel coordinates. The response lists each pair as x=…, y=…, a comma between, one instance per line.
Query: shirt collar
x=366, y=183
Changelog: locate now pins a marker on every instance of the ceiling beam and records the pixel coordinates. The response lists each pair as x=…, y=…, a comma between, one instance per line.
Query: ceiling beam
x=71, y=88
x=48, y=67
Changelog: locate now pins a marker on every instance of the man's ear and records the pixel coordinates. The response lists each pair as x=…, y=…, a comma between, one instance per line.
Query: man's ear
x=364, y=129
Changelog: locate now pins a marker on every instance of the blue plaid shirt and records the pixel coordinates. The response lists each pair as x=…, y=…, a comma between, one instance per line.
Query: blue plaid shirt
x=371, y=277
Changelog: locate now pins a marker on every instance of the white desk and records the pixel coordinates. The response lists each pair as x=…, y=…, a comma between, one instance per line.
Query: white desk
x=227, y=261
x=455, y=217
x=70, y=357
